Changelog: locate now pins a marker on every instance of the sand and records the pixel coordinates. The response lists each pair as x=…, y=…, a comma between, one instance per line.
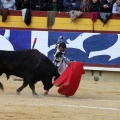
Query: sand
x=93, y=101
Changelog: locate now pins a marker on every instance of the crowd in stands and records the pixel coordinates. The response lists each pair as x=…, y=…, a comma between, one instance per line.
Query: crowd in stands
x=112, y=6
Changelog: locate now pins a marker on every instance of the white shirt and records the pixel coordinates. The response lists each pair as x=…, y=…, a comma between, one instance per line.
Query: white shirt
x=116, y=8
x=60, y=61
x=8, y=4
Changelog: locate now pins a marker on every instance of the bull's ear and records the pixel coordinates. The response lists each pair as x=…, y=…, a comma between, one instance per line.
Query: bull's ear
x=53, y=79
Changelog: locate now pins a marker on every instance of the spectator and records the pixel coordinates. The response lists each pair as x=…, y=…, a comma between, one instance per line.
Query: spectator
x=10, y=4
x=84, y=6
x=106, y=5
x=94, y=6
x=21, y=4
x=116, y=7
x=71, y=5
x=52, y=6
x=55, y=5
x=0, y=4
x=18, y=4
x=41, y=5
x=60, y=5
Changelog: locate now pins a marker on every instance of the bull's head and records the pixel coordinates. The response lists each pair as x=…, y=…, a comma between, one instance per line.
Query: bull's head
x=48, y=86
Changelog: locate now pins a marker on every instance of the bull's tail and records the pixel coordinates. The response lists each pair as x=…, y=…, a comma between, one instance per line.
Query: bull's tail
x=1, y=86
x=8, y=76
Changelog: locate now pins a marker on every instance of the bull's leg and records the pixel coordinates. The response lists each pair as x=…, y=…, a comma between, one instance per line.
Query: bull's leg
x=31, y=79
x=32, y=86
x=25, y=83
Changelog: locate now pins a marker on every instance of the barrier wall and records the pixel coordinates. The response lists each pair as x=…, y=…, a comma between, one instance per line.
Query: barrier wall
x=62, y=22
x=94, y=49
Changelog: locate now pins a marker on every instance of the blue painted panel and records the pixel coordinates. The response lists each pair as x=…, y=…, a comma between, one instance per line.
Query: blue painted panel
x=91, y=48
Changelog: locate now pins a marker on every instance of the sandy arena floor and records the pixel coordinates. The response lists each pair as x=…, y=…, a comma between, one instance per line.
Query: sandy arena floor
x=93, y=101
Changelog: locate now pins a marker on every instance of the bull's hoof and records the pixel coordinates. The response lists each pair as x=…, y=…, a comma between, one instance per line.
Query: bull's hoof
x=2, y=89
x=35, y=94
x=46, y=92
x=18, y=92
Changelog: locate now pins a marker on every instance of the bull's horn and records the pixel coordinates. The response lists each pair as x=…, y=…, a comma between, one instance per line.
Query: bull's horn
x=53, y=79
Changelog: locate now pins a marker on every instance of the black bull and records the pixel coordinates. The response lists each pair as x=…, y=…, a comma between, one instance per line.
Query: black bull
x=31, y=65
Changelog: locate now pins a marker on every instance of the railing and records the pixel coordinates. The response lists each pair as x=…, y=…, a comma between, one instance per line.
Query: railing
x=38, y=6
x=34, y=6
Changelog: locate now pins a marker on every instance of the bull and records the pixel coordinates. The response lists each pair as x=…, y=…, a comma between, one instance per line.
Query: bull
x=31, y=65
x=1, y=86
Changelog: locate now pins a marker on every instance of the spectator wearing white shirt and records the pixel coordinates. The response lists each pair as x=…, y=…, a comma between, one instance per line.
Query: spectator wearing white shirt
x=116, y=7
x=10, y=4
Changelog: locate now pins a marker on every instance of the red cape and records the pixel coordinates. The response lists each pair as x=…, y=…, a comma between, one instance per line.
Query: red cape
x=70, y=79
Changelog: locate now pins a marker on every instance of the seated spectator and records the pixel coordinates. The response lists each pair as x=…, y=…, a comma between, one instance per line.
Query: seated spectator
x=94, y=6
x=52, y=5
x=106, y=5
x=116, y=7
x=21, y=4
x=55, y=5
x=0, y=4
x=71, y=5
x=41, y=5
x=84, y=6
x=10, y=4
x=60, y=5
